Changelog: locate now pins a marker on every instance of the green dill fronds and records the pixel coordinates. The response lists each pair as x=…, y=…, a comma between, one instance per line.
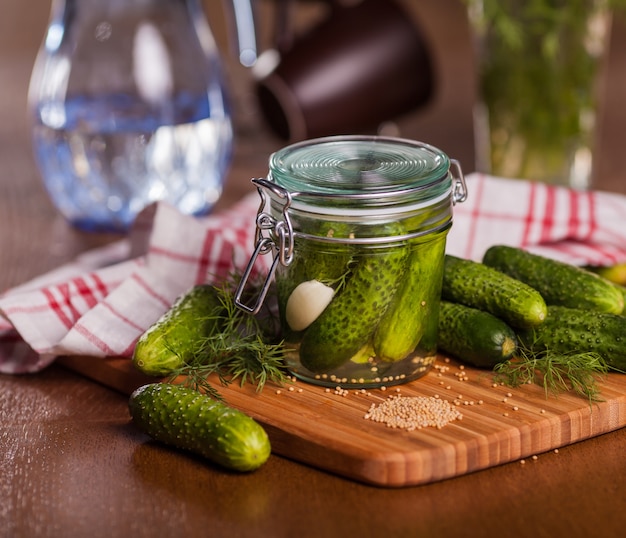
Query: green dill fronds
x=244, y=349
x=578, y=372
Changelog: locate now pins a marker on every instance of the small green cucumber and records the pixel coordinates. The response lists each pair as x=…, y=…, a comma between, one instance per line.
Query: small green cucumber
x=572, y=330
x=620, y=288
x=558, y=282
x=176, y=337
x=349, y=321
x=414, y=304
x=477, y=285
x=189, y=420
x=622, y=291
x=474, y=336
x=328, y=263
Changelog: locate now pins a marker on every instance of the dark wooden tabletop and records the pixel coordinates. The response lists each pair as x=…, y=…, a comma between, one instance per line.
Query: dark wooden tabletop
x=72, y=464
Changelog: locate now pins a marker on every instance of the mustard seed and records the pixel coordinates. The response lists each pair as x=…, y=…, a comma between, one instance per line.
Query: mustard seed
x=411, y=413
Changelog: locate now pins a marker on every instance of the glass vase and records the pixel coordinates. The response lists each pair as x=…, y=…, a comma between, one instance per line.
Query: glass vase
x=538, y=68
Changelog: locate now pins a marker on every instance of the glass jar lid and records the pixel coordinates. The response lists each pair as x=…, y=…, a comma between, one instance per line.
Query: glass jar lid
x=362, y=171
x=367, y=181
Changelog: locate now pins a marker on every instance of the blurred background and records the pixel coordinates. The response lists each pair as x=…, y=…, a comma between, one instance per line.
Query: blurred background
x=444, y=119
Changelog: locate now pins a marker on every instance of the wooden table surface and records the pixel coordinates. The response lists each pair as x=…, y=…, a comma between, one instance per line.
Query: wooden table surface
x=71, y=464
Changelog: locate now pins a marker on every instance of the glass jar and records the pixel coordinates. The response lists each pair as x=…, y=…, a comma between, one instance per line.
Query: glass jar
x=358, y=227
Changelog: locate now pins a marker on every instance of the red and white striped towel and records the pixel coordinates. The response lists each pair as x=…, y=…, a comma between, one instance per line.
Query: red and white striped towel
x=579, y=227
x=101, y=303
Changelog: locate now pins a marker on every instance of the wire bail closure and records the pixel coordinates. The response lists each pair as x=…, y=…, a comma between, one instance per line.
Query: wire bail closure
x=270, y=235
x=459, y=189
x=274, y=235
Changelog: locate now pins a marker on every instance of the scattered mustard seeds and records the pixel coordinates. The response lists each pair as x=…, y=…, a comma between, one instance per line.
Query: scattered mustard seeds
x=415, y=412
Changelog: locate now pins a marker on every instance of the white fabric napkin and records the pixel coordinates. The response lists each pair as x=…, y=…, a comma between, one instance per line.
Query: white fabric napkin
x=99, y=304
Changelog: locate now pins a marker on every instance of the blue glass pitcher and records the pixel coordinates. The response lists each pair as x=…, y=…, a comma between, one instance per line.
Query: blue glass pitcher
x=128, y=106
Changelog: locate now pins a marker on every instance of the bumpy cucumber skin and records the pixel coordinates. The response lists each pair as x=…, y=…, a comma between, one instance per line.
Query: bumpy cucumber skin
x=475, y=336
x=477, y=285
x=559, y=283
x=349, y=321
x=571, y=330
x=188, y=420
x=174, y=338
x=415, y=304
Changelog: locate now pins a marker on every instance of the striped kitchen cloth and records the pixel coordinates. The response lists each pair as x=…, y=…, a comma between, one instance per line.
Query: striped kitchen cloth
x=102, y=302
x=99, y=304
x=579, y=227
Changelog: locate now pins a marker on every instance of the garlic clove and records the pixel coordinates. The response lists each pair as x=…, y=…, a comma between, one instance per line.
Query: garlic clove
x=306, y=302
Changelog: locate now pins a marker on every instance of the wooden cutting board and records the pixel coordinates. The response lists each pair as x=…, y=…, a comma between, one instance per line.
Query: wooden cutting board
x=319, y=427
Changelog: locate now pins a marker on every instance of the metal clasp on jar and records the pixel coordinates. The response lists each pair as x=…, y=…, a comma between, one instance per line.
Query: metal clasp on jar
x=459, y=188
x=270, y=235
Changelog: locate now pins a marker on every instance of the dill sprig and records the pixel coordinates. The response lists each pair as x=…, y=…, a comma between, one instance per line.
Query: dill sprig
x=242, y=348
x=556, y=371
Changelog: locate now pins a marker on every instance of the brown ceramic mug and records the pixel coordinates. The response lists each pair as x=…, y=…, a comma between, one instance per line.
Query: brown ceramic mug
x=365, y=64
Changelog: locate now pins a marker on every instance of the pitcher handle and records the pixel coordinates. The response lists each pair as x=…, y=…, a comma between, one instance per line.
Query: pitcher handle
x=242, y=12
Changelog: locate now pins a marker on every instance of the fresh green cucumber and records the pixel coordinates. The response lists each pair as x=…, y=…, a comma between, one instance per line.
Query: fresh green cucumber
x=616, y=275
x=189, y=420
x=477, y=285
x=176, y=337
x=328, y=263
x=414, y=304
x=558, y=282
x=622, y=291
x=571, y=330
x=474, y=336
x=349, y=321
